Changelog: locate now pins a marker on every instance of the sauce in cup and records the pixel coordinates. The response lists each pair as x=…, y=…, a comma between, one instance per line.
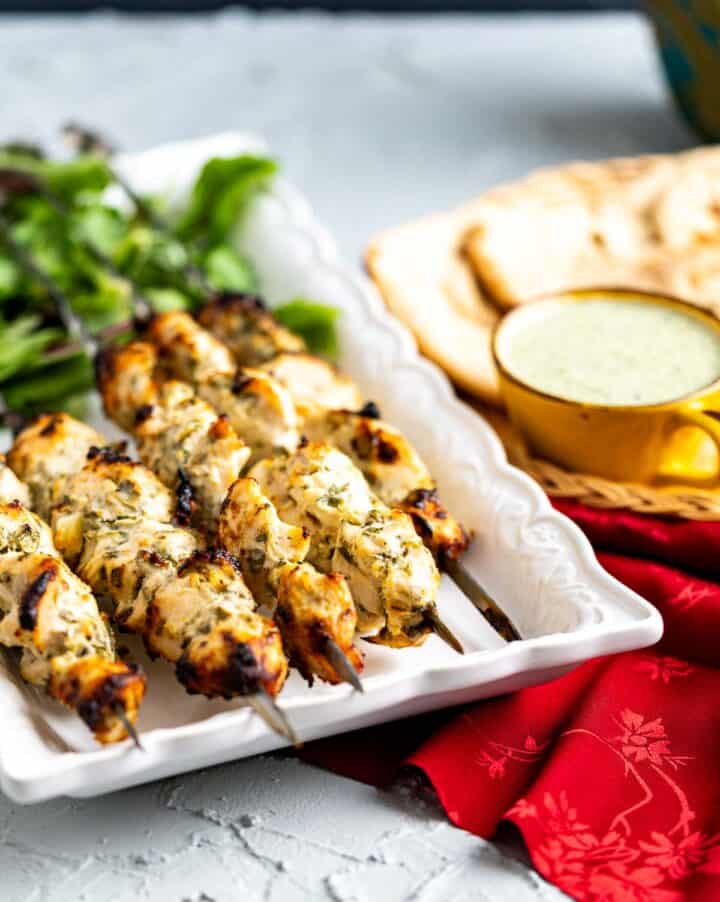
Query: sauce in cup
x=615, y=352
x=619, y=384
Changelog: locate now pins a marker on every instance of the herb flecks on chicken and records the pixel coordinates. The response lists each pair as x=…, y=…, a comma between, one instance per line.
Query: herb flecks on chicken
x=181, y=343
x=179, y=436
x=392, y=576
x=312, y=608
x=52, y=618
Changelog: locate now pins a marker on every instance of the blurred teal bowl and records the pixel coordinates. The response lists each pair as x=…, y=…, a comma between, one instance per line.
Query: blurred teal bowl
x=688, y=39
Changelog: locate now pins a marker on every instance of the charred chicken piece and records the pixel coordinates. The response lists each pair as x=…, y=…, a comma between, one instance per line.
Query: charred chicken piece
x=125, y=378
x=232, y=650
x=251, y=529
x=196, y=354
x=312, y=609
x=249, y=330
x=52, y=618
x=392, y=576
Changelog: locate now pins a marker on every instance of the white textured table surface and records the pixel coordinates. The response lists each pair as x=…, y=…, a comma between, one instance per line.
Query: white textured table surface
x=377, y=121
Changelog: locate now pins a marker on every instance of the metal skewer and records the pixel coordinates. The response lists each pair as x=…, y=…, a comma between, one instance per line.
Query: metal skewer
x=487, y=606
x=342, y=665
x=442, y=630
x=265, y=706
x=273, y=715
x=129, y=727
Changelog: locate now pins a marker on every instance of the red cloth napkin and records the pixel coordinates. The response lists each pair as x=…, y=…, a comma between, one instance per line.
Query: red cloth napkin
x=612, y=772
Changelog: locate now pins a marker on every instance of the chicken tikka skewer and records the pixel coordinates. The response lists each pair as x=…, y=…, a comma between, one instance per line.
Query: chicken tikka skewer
x=52, y=617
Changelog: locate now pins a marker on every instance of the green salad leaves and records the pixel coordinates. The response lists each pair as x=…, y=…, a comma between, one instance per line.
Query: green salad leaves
x=37, y=371
x=312, y=321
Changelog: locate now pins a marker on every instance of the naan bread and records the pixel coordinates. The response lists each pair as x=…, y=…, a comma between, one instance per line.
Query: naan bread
x=428, y=285
x=648, y=223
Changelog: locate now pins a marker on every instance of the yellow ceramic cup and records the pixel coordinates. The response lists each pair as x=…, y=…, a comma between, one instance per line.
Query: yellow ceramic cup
x=677, y=441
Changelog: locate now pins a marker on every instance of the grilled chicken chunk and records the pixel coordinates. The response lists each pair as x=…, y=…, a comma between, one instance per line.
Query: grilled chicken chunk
x=53, y=619
x=392, y=467
x=259, y=409
x=125, y=378
x=250, y=331
x=310, y=607
x=395, y=472
x=178, y=435
x=205, y=620
x=112, y=518
x=313, y=607
x=313, y=383
x=330, y=409
x=191, y=449
x=392, y=576
x=251, y=529
x=44, y=452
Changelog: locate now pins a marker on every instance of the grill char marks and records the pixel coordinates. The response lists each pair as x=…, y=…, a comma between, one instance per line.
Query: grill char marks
x=233, y=669
x=143, y=414
x=185, y=499
x=93, y=709
x=370, y=410
x=371, y=442
x=97, y=689
x=50, y=427
x=442, y=533
x=33, y=595
x=238, y=300
x=110, y=454
x=208, y=558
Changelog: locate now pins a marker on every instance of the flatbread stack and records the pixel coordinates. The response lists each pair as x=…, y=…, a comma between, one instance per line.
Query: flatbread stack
x=647, y=223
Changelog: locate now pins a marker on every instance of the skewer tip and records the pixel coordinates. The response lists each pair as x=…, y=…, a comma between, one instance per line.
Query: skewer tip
x=129, y=727
x=443, y=631
x=485, y=604
x=273, y=715
x=341, y=664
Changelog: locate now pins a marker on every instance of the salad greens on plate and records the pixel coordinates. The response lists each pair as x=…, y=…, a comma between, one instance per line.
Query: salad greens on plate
x=40, y=368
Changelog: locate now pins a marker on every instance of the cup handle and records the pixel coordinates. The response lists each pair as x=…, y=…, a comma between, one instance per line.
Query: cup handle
x=708, y=420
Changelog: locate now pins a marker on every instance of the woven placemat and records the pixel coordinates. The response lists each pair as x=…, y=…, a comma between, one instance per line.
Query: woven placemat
x=687, y=503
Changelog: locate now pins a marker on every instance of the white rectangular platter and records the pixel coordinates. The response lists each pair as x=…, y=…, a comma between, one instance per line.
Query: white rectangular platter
x=531, y=558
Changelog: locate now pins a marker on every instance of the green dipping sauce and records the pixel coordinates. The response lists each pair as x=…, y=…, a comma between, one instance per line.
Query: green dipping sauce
x=612, y=352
